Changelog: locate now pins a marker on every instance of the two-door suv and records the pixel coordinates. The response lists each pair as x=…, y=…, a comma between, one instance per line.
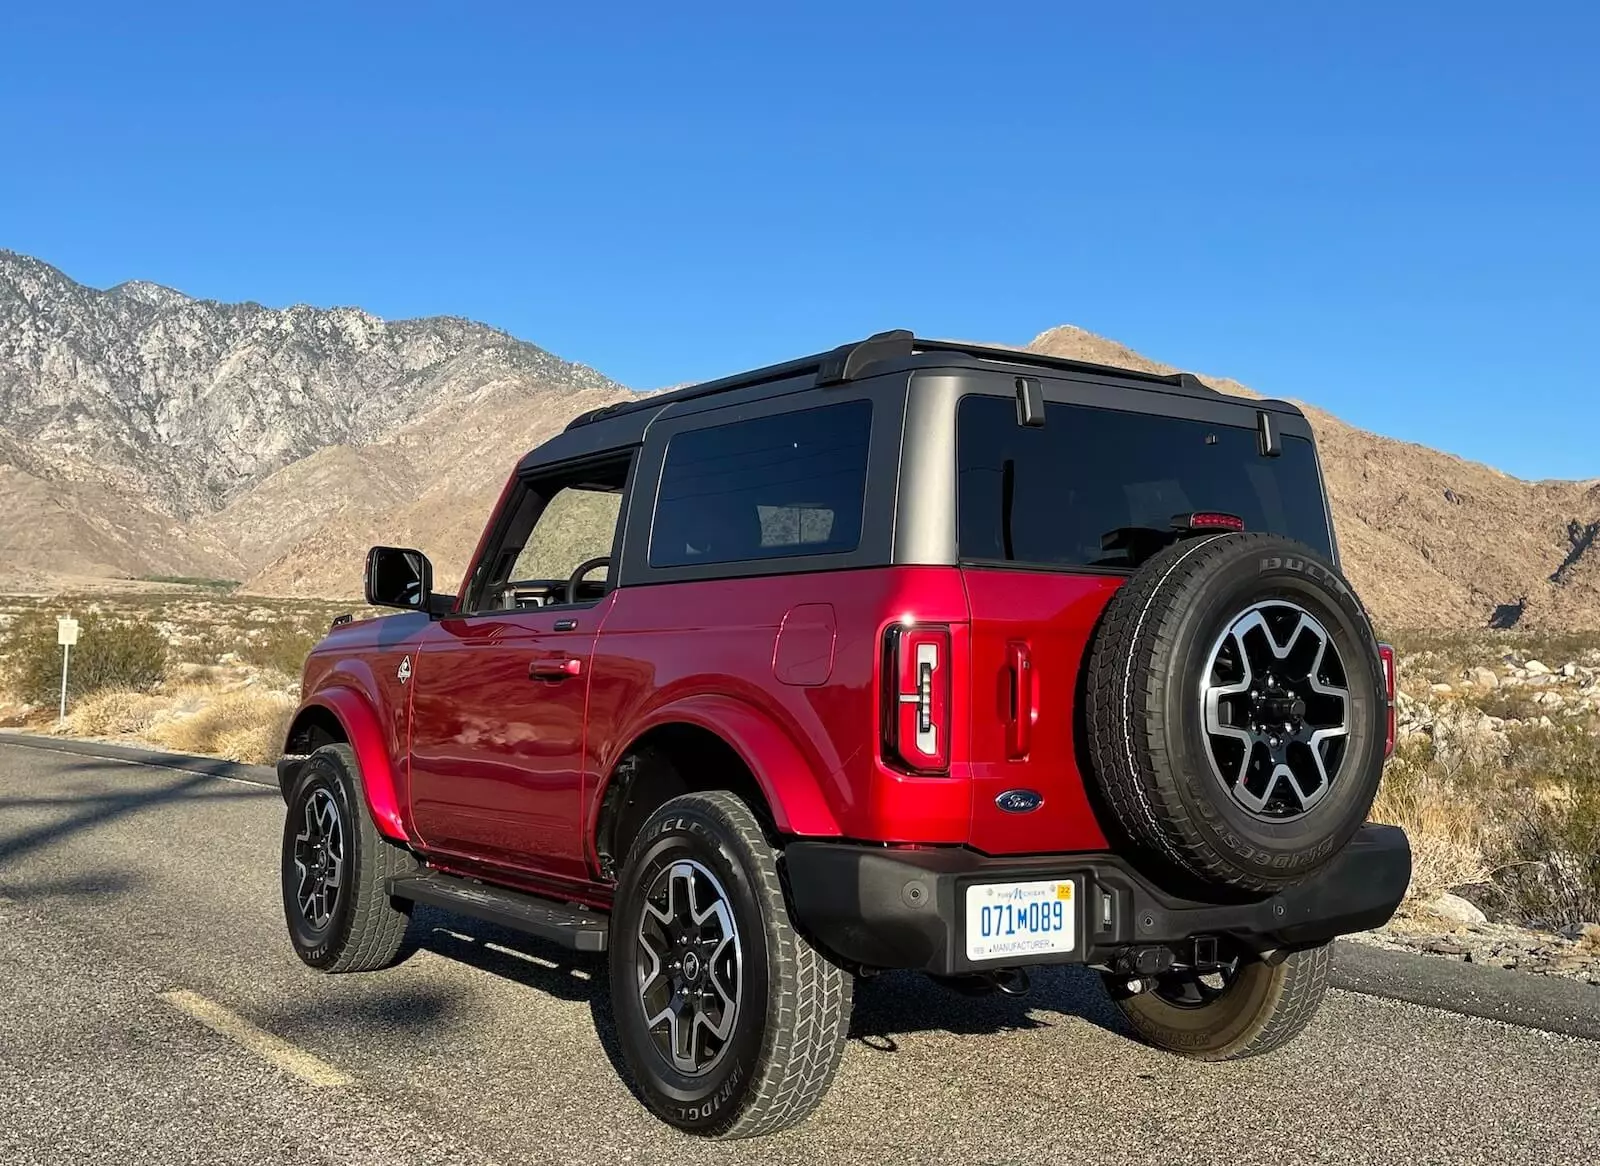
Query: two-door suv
x=910, y=655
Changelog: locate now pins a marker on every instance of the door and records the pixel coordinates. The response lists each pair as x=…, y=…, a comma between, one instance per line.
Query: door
x=501, y=686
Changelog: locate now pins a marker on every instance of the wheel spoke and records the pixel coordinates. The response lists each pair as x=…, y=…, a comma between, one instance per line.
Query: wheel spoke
x=1275, y=710
x=688, y=966
x=319, y=858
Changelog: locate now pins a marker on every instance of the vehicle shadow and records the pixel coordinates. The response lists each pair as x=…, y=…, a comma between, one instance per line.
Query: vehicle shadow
x=887, y=1007
x=897, y=1004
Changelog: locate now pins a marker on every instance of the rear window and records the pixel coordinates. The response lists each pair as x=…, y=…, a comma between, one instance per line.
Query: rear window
x=774, y=487
x=1100, y=488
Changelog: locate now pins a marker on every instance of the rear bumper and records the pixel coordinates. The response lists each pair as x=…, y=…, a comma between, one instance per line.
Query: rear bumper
x=883, y=908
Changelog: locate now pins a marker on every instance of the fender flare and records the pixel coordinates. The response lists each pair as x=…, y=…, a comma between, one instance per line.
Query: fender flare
x=789, y=782
x=365, y=736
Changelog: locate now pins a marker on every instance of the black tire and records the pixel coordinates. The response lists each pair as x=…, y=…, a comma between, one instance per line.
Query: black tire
x=364, y=929
x=1263, y=1007
x=787, y=1031
x=1153, y=759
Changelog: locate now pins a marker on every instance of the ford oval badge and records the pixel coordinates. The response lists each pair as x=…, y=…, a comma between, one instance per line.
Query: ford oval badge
x=1020, y=801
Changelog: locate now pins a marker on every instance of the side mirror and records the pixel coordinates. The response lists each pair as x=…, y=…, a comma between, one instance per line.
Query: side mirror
x=399, y=577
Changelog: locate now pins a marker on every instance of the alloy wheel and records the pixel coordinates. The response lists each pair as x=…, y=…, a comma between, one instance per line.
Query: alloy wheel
x=1276, y=710
x=319, y=856
x=689, y=966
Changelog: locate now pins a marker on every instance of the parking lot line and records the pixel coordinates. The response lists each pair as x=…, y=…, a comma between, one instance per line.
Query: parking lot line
x=306, y=1066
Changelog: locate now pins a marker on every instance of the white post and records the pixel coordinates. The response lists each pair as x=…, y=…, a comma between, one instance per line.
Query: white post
x=66, y=650
x=66, y=636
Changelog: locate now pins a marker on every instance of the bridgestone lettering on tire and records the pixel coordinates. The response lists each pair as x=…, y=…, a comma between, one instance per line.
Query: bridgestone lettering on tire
x=336, y=867
x=730, y=1023
x=1234, y=711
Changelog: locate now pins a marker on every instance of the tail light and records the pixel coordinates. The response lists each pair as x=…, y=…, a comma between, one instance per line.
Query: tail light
x=1386, y=658
x=916, y=697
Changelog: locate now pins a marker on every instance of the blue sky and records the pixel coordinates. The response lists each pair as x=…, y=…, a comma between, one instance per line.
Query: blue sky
x=1390, y=210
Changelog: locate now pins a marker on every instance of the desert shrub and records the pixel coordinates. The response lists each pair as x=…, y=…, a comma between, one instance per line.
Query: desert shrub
x=108, y=654
x=114, y=712
x=1508, y=702
x=282, y=648
x=1551, y=868
x=1566, y=756
x=244, y=725
x=1440, y=813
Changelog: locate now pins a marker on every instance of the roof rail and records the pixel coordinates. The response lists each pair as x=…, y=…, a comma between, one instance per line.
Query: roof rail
x=1183, y=380
x=841, y=364
x=850, y=361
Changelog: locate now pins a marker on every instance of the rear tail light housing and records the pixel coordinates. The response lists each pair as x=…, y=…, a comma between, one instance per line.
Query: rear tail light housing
x=1386, y=659
x=916, y=697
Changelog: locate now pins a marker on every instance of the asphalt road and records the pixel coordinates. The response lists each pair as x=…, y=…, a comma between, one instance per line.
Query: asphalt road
x=139, y=916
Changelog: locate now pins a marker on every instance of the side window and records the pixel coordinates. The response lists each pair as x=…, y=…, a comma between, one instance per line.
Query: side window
x=548, y=529
x=576, y=525
x=772, y=487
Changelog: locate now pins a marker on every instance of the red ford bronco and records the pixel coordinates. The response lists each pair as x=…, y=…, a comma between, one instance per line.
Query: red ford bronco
x=911, y=655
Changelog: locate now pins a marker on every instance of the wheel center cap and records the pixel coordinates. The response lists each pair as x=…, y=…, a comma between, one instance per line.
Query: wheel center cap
x=691, y=966
x=1282, y=708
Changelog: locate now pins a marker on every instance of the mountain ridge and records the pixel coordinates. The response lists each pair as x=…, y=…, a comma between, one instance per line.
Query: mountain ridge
x=147, y=432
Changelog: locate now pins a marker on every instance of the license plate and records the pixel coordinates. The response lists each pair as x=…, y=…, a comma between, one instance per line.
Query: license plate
x=1006, y=920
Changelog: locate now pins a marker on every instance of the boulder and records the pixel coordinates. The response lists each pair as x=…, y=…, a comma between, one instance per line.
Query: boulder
x=1485, y=677
x=1455, y=909
x=1536, y=668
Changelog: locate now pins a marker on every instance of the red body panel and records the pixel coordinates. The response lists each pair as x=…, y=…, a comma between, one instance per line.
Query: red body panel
x=497, y=735
x=370, y=741
x=354, y=674
x=493, y=755
x=1030, y=636
x=713, y=650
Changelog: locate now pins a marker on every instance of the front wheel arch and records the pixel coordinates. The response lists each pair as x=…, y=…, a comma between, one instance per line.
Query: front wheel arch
x=346, y=715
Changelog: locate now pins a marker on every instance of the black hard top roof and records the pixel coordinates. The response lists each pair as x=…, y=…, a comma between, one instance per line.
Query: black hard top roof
x=897, y=350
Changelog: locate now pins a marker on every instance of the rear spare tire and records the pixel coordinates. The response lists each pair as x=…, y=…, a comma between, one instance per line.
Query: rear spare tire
x=1235, y=711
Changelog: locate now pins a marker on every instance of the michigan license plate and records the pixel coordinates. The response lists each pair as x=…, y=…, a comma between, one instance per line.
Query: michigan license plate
x=1006, y=920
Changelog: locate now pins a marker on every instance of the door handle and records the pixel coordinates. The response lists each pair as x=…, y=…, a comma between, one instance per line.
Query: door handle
x=555, y=669
x=1019, y=731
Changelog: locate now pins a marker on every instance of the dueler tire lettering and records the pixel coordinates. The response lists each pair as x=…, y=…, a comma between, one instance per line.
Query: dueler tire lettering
x=1152, y=775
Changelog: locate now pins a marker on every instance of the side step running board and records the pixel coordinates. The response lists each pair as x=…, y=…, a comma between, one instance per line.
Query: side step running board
x=578, y=928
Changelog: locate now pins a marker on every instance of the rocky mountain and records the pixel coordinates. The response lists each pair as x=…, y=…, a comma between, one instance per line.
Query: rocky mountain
x=144, y=432
x=1429, y=539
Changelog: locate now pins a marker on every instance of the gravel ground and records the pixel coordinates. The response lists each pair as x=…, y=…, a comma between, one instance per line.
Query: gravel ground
x=120, y=882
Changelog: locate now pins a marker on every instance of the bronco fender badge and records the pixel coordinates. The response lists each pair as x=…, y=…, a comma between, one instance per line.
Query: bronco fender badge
x=1020, y=801
x=403, y=674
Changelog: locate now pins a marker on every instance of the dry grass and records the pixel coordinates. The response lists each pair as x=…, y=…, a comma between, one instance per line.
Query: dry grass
x=1448, y=840
x=239, y=723
x=115, y=713
x=244, y=725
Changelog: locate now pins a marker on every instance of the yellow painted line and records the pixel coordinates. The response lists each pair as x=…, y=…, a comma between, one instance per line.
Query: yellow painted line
x=309, y=1068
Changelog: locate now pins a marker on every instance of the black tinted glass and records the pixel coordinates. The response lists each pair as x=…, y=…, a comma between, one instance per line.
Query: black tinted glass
x=1096, y=487
x=790, y=484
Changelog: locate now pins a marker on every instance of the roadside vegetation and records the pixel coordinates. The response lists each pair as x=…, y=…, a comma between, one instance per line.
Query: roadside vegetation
x=189, y=669
x=1497, y=772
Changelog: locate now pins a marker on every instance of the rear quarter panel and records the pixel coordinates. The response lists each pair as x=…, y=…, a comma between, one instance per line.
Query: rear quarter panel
x=679, y=645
